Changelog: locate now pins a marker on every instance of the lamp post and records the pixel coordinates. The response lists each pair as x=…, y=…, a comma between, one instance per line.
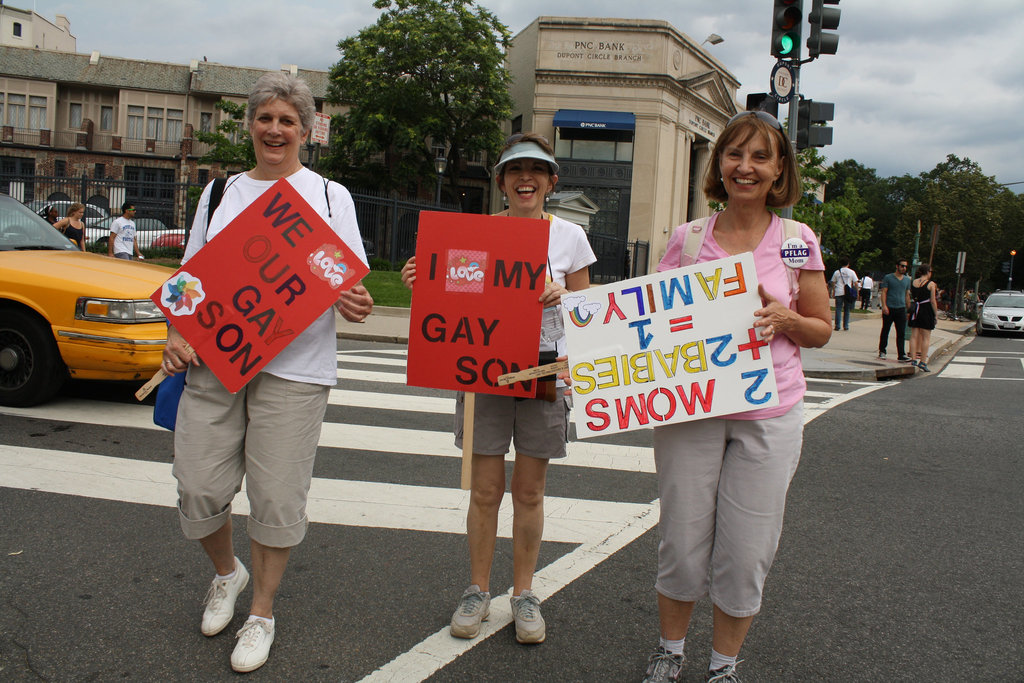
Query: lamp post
x=440, y=164
x=1009, y=285
x=714, y=39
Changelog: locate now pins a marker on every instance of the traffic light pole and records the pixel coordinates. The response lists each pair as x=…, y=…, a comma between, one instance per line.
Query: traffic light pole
x=794, y=110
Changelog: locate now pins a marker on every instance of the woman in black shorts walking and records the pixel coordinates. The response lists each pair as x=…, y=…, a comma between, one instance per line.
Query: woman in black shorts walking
x=923, y=308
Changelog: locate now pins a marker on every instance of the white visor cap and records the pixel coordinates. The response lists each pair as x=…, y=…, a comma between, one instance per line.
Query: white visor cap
x=526, y=150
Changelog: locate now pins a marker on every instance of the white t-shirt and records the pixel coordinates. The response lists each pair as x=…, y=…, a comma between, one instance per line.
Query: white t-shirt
x=312, y=356
x=568, y=251
x=124, y=235
x=842, y=277
x=867, y=282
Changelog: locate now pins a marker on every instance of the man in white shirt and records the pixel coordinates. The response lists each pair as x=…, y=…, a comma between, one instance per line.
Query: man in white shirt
x=841, y=279
x=122, y=243
x=866, y=284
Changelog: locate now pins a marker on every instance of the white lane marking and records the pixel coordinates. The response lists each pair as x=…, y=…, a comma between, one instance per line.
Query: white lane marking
x=348, y=359
x=440, y=649
x=962, y=371
x=331, y=501
x=821, y=394
x=970, y=359
x=368, y=399
x=822, y=380
x=813, y=410
x=340, y=435
x=368, y=376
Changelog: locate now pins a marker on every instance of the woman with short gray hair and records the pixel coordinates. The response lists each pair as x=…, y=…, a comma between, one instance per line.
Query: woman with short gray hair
x=268, y=431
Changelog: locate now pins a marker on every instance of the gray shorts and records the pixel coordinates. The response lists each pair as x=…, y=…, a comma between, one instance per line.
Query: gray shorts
x=723, y=487
x=267, y=432
x=123, y=255
x=539, y=428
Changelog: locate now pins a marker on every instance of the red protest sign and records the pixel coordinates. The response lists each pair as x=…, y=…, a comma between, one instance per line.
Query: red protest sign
x=476, y=308
x=258, y=284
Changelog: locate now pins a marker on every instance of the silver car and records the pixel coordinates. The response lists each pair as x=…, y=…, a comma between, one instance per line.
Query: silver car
x=1003, y=311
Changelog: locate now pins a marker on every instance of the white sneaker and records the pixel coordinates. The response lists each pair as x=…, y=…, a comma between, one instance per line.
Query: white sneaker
x=220, y=600
x=253, y=646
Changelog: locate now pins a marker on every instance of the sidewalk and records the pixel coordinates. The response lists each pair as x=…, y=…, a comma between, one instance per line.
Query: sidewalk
x=851, y=355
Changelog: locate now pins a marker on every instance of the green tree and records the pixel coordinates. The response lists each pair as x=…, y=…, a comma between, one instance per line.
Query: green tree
x=231, y=144
x=428, y=72
x=965, y=205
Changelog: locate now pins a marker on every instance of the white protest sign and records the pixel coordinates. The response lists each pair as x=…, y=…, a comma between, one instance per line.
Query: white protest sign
x=668, y=347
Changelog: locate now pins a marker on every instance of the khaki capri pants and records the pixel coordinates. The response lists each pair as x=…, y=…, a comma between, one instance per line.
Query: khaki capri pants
x=723, y=485
x=267, y=433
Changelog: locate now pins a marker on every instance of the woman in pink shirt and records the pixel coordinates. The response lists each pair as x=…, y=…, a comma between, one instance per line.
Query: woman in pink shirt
x=723, y=481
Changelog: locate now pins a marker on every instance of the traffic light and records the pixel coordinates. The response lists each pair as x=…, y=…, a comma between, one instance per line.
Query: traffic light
x=787, y=21
x=762, y=101
x=808, y=131
x=823, y=19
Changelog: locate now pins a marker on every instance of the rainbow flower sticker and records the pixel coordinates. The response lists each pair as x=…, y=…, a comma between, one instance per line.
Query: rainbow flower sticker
x=182, y=293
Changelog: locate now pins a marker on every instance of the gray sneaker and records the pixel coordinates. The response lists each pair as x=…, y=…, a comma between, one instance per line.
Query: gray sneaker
x=727, y=674
x=529, y=622
x=474, y=607
x=664, y=667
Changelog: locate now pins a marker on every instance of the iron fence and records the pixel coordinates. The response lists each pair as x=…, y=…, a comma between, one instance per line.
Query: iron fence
x=617, y=259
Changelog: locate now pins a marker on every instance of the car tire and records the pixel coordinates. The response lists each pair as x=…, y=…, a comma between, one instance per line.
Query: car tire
x=31, y=369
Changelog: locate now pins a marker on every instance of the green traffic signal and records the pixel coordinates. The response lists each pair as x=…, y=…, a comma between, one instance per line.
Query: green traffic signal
x=787, y=22
x=785, y=44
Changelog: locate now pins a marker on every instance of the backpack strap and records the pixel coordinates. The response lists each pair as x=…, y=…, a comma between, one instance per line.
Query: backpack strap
x=790, y=229
x=693, y=240
x=216, y=193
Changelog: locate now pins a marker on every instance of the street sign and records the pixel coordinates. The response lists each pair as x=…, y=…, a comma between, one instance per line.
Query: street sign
x=782, y=81
x=961, y=261
x=321, y=129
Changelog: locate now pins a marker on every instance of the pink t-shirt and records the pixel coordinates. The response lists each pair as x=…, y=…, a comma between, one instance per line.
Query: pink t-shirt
x=771, y=272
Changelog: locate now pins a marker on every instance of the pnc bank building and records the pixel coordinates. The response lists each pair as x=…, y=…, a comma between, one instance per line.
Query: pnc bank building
x=632, y=108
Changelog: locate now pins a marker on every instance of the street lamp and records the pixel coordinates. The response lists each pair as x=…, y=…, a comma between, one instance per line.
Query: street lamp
x=714, y=39
x=1009, y=285
x=440, y=164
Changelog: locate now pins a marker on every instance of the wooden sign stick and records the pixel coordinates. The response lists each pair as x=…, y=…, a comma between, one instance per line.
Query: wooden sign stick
x=160, y=376
x=531, y=373
x=468, y=413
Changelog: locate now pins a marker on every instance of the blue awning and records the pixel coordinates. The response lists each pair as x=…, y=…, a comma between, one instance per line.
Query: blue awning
x=601, y=120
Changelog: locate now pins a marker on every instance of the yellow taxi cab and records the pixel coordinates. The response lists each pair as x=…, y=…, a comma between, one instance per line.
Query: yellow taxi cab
x=64, y=312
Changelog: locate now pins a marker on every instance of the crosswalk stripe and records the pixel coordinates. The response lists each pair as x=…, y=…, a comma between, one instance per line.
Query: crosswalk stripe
x=340, y=435
x=370, y=376
x=383, y=401
x=349, y=358
x=962, y=371
x=331, y=501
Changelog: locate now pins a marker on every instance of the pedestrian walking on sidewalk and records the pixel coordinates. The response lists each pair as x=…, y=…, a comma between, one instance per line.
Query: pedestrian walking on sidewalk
x=923, y=314
x=723, y=481
x=268, y=431
x=526, y=173
x=894, y=295
x=844, y=288
x=866, y=283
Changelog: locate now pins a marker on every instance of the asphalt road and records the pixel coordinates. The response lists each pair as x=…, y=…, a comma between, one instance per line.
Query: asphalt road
x=900, y=560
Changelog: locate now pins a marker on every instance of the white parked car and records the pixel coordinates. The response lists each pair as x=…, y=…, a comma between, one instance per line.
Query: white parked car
x=1003, y=311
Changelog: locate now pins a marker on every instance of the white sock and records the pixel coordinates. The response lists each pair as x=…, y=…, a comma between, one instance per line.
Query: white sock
x=269, y=622
x=674, y=647
x=227, y=576
x=720, y=661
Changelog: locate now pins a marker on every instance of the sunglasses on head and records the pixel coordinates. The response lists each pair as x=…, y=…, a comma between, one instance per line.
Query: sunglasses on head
x=516, y=137
x=763, y=115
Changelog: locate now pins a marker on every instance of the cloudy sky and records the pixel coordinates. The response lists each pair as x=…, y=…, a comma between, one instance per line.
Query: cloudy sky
x=912, y=81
